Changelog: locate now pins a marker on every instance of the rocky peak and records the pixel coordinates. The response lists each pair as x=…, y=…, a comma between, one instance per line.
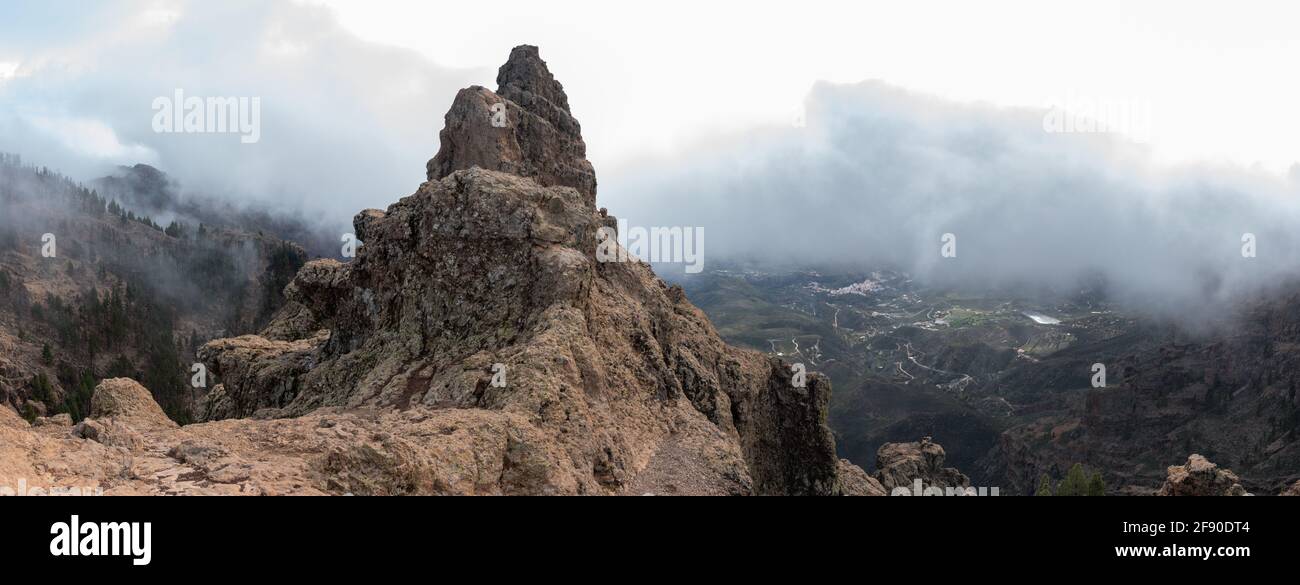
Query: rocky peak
x=524, y=78
x=477, y=303
x=525, y=129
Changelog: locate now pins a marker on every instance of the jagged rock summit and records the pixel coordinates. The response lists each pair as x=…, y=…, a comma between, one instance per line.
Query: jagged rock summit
x=479, y=300
x=525, y=128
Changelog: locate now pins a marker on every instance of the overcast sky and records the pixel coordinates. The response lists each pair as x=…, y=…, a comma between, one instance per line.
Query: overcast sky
x=918, y=118
x=1220, y=77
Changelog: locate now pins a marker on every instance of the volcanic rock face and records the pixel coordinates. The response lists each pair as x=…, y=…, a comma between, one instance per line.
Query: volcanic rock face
x=477, y=306
x=1199, y=477
x=901, y=464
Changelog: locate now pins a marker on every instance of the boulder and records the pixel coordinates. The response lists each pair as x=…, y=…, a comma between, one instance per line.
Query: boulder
x=1200, y=477
x=59, y=420
x=109, y=433
x=901, y=464
x=127, y=401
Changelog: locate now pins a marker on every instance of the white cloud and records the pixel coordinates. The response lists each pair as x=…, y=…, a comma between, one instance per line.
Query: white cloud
x=650, y=80
x=345, y=124
x=880, y=174
x=92, y=138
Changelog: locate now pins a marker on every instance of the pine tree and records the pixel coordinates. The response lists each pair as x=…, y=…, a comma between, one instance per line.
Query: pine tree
x=1044, y=486
x=47, y=355
x=29, y=412
x=1075, y=482
x=1096, y=485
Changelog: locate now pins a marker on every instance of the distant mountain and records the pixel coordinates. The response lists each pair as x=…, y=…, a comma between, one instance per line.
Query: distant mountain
x=92, y=287
x=149, y=191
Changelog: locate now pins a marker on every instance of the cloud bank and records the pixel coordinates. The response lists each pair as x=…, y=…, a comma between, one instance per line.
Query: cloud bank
x=345, y=124
x=879, y=175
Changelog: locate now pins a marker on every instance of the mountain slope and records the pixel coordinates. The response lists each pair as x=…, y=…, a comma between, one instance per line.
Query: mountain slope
x=90, y=289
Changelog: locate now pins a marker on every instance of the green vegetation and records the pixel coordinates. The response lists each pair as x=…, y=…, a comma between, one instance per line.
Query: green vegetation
x=77, y=404
x=1044, y=486
x=129, y=320
x=1077, y=482
x=282, y=266
x=124, y=322
x=960, y=317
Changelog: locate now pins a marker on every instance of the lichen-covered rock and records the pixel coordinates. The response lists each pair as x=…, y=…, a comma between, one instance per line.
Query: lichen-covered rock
x=263, y=374
x=110, y=433
x=294, y=321
x=1200, y=477
x=125, y=400
x=525, y=128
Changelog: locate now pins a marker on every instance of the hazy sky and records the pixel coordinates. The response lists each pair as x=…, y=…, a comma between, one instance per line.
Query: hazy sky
x=345, y=123
x=1219, y=77
x=918, y=119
